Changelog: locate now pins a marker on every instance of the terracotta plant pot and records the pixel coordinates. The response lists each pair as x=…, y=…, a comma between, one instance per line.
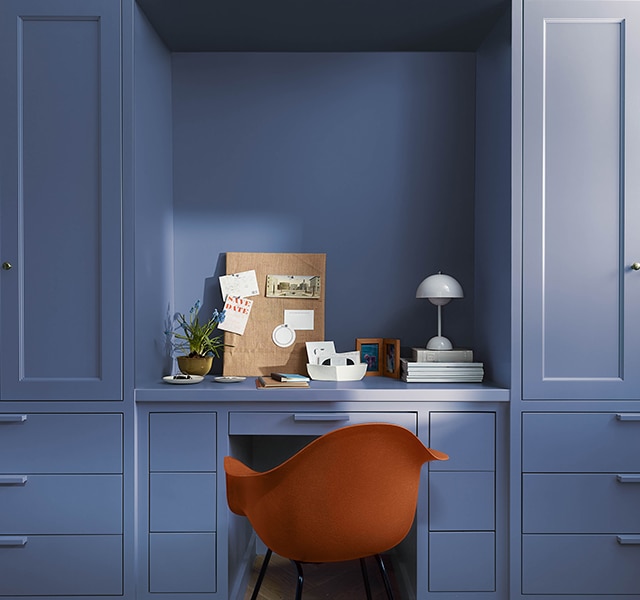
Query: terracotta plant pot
x=196, y=365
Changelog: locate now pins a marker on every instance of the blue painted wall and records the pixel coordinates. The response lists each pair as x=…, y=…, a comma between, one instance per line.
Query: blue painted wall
x=493, y=204
x=153, y=181
x=367, y=157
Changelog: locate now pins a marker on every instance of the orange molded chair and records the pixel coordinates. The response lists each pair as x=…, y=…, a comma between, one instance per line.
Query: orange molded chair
x=349, y=494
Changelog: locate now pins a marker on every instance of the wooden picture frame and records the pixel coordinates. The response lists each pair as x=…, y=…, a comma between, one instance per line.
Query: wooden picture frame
x=391, y=358
x=371, y=352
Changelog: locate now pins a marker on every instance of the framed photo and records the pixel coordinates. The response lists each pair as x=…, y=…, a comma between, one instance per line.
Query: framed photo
x=371, y=352
x=391, y=358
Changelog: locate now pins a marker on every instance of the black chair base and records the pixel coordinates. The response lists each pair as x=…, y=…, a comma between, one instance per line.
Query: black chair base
x=300, y=581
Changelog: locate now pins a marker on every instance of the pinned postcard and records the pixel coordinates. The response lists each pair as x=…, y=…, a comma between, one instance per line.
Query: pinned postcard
x=237, y=311
x=240, y=285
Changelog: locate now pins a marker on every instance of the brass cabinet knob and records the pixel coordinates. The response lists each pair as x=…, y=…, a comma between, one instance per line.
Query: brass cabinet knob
x=6, y=266
x=636, y=266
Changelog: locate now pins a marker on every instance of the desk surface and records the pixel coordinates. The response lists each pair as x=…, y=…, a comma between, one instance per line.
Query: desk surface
x=369, y=389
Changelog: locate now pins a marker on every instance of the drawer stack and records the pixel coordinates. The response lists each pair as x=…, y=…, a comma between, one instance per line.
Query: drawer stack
x=580, y=503
x=462, y=524
x=182, y=502
x=61, y=504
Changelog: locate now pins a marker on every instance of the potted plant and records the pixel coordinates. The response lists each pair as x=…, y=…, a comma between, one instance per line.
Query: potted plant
x=196, y=341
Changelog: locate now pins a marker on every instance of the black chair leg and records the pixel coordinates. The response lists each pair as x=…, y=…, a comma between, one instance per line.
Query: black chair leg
x=385, y=577
x=365, y=577
x=263, y=570
x=300, y=579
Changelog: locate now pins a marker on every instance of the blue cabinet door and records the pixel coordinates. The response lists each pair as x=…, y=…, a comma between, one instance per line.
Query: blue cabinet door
x=60, y=200
x=581, y=196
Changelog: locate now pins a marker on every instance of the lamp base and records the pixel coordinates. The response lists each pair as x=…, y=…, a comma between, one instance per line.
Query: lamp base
x=439, y=342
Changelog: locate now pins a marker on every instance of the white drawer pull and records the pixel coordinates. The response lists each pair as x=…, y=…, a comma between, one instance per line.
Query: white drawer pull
x=629, y=540
x=13, y=479
x=320, y=417
x=13, y=418
x=628, y=416
x=6, y=541
x=628, y=478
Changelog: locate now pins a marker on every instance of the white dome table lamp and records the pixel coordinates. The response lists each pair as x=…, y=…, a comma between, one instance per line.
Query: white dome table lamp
x=439, y=289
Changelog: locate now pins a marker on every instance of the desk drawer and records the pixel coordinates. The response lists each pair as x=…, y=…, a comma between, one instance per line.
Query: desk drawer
x=462, y=561
x=182, y=441
x=182, y=563
x=182, y=502
x=84, y=565
x=59, y=504
x=461, y=501
x=581, y=503
x=581, y=442
x=469, y=438
x=60, y=443
x=580, y=564
x=311, y=423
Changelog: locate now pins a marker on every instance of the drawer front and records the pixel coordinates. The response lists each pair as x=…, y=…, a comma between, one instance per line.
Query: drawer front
x=581, y=442
x=462, y=562
x=580, y=564
x=182, y=562
x=468, y=438
x=59, y=504
x=581, y=503
x=83, y=565
x=461, y=501
x=311, y=423
x=182, y=502
x=182, y=441
x=60, y=443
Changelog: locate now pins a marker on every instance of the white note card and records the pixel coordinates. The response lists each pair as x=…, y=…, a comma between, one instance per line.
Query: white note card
x=299, y=319
x=239, y=284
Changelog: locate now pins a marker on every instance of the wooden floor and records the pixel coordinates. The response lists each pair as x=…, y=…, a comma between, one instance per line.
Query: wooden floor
x=338, y=581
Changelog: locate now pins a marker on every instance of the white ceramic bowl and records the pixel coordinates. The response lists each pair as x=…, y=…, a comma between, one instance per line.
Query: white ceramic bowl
x=337, y=372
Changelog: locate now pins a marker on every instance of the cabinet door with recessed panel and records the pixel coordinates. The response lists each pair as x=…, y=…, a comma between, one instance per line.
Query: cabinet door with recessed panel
x=60, y=200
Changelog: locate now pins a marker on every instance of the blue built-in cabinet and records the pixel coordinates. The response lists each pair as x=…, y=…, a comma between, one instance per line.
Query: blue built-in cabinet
x=576, y=415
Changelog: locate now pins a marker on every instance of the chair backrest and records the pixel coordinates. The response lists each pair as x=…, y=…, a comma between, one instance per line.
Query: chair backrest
x=350, y=493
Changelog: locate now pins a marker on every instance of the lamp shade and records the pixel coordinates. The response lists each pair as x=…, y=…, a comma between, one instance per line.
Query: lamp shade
x=439, y=289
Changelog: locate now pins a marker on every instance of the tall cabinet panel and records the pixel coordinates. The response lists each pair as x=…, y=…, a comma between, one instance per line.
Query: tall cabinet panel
x=60, y=198
x=581, y=199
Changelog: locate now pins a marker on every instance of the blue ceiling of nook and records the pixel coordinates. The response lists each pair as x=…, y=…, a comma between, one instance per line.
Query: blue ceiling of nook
x=322, y=25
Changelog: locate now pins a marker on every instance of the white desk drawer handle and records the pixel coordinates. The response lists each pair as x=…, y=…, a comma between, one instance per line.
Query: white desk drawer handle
x=13, y=418
x=7, y=542
x=629, y=540
x=13, y=479
x=320, y=417
x=628, y=416
x=628, y=478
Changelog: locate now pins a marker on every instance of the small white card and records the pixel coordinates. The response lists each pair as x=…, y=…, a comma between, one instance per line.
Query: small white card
x=318, y=351
x=239, y=284
x=299, y=319
x=237, y=311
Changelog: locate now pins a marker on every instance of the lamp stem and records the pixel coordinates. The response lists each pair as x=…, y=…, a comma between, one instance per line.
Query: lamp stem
x=439, y=320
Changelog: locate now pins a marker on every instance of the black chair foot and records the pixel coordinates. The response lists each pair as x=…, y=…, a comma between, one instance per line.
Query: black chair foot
x=263, y=570
x=385, y=577
x=365, y=577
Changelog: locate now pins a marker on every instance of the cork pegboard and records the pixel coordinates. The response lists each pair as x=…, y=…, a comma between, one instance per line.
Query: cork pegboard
x=254, y=353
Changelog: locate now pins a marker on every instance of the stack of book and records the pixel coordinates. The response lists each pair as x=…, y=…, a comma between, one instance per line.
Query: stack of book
x=441, y=366
x=282, y=380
